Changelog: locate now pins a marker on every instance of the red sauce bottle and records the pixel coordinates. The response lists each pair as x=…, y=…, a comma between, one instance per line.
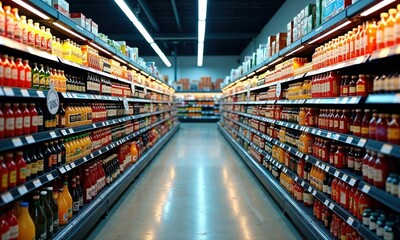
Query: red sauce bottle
x=351, y=193
x=4, y=228
x=21, y=167
x=372, y=124
x=12, y=171
x=382, y=127
x=3, y=175
x=21, y=78
x=28, y=74
x=365, y=169
x=7, y=70
x=9, y=120
x=331, y=120
x=357, y=123
x=362, y=86
x=336, y=120
x=332, y=151
x=339, y=158
x=381, y=170
x=2, y=123
x=350, y=158
x=310, y=118
x=14, y=72
x=356, y=203
x=371, y=167
x=325, y=151
x=352, y=86
x=34, y=118
x=363, y=202
x=18, y=119
x=2, y=82
x=13, y=223
x=393, y=131
x=26, y=119
x=344, y=125
x=365, y=123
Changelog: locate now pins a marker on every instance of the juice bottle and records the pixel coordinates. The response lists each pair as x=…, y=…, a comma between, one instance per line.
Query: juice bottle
x=353, y=43
x=2, y=20
x=43, y=38
x=35, y=77
x=397, y=25
x=380, y=34
x=24, y=30
x=370, y=37
x=62, y=208
x=358, y=38
x=21, y=77
x=21, y=168
x=63, y=82
x=49, y=40
x=54, y=207
x=26, y=226
x=37, y=35
x=14, y=72
x=34, y=118
x=381, y=127
x=9, y=22
x=42, y=77
x=393, y=131
x=31, y=33
x=389, y=32
x=17, y=25
x=68, y=198
x=67, y=49
x=18, y=120
x=7, y=71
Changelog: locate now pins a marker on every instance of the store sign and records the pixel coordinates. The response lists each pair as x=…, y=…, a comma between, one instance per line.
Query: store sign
x=278, y=91
x=53, y=101
x=133, y=89
x=126, y=104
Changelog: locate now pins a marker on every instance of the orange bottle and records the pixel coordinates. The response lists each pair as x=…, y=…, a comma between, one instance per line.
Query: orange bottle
x=2, y=20
x=380, y=34
x=9, y=22
x=349, y=45
x=370, y=37
x=62, y=208
x=358, y=39
x=389, y=33
x=397, y=25
x=17, y=25
x=68, y=198
x=353, y=43
x=26, y=227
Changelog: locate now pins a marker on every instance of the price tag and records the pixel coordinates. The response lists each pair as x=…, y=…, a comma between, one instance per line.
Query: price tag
x=84, y=159
x=16, y=142
x=314, y=193
x=289, y=149
x=107, y=148
x=386, y=148
x=94, y=125
x=62, y=170
x=362, y=142
x=7, y=197
x=307, y=129
x=8, y=91
x=336, y=100
x=329, y=135
x=322, y=166
x=331, y=206
x=29, y=139
x=53, y=134
x=337, y=173
x=327, y=168
x=306, y=157
x=103, y=123
x=350, y=221
x=296, y=178
x=25, y=93
x=319, y=132
x=317, y=163
x=68, y=168
x=63, y=132
x=22, y=190
x=349, y=140
x=384, y=53
x=49, y=177
x=326, y=203
x=313, y=131
x=91, y=155
x=344, y=177
x=344, y=100
x=310, y=189
x=100, y=152
x=352, y=182
x=353, y=100
x=71, y=130
x=302, y=184
x=366, y=188
x=37, y=183
x=336, y=137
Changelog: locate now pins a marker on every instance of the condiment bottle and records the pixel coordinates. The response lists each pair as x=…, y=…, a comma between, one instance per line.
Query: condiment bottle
x=344, y=126
x=357, y=123
x=365, y=123
x=389, y=32
x=339, y=158
x=380, y=34
x=393, y=130
x=381, y=127
x=372, y=124
x=381, y=170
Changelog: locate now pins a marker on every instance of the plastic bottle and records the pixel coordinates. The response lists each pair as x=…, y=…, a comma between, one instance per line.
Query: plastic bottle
x=34, y=118
x=24, y=29
x=26, y=226
x=49, y=40
x=389, y=32
x=380, y=34
x=38, y=35
x=2, y=20
x=18, y=120
x=28, y=74
x=21, y=167
x=62, y=208
x=9, y=22
x=31, y=33
x=17, y=25
x=20, y=79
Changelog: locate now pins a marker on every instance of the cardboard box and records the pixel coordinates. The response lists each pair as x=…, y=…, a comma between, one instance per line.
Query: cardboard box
x=95, y=28
x=289, y=38
x=331, y=8
x=280, y=41
x=79, y=18
x=318, y=13
x=311, y=23
x=62, y=6
x=309, y=10
x=289, y=26
x=88, y=24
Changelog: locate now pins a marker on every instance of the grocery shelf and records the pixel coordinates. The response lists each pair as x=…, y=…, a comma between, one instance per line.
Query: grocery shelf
x=295, y=211
x=387, y=98
x=7, y=144
x=346, y=176
x=336, y=208
x=27, y=187
x=386, y=52
x=22, y=93
x=81, y=224
x=200, y=91
x=323, y=101
x=383, y=147
x=199, y=119
x=85, y=96
x=267, y=102
x=342, y=65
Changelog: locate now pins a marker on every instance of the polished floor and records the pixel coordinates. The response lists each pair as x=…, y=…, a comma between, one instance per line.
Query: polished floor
x=196, y=188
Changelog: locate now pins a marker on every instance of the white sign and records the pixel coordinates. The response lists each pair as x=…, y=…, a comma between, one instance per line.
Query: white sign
x=53, y=101
x=126, y=104
x=278, y=90
x=133, y=89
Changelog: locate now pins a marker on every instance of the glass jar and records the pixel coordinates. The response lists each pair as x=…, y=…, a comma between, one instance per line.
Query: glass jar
x=389, y=231
x=365, y=217
x=372, y=221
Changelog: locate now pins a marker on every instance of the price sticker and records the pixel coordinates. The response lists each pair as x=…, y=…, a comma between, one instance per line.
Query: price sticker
x=313, y=131
x=16, y=142
x=62, y=170
x=353, y=100
x=25, y=93
x=349, y=140
x=49, y=177
x=68, y=168
x=107, y=148
x=7, y=197
x=366, y=188
x=53, y=134
x=337, y=173
x=8, y=91
x=344, y=177
x=386, y=148
x=350, y=221
x=336, y=137
x=37, y=183
x=314, y=193
x=71, y=130
x=327, y=168
x=100, y=152
x=319, y=132
x=63, y=132
x=91, y=155
x=302, y=184
x=289, y=149
x=352, y=182
x=329, y=135
x=296, y=178
x=306, y=157
x=310, y=189
x=336, y=101
x=94, y=125
x=331, y=206
x=307, y=129
x=362, y=142
x=84, y=159
x=322, y=166
x=29, y=139
x=73, y=165
x=22, y=190
x=326, y=203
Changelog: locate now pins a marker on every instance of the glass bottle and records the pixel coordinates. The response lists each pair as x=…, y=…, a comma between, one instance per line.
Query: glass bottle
x=54, y=207
x=48, y=211
x=38, y=218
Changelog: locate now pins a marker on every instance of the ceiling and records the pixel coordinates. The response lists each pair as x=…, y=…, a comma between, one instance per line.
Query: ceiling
x=231, y=24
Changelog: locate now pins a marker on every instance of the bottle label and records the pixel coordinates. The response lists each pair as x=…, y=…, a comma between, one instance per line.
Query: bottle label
x=28, y=77
x=40, y=165
x=75, y=206
x=14, y=232
x=350, y=162
x=378, y=175
x=389, y=34
x=18, y=123
x=27, y=122
x=4, y=180
x=358, y=165
x=89, y=193
x=329, y=190
x=65, y=216
x=38, y=41
x=42, y=80
x=14, y=74
x=34, y=168
x=342, y=198
x=360, y=88
x=53, y=159
x=35, y=121
x=2, y=124
x=393, y=134
x=10, y=27
x=2, y=24
x=6, y=235
x=388, y=235
x=7, y=72
x=10, y=124
x=13, y=177
x=379, y=231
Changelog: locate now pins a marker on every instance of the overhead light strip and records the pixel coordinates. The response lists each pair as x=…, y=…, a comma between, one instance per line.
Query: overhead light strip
x=69, y=31
x=298, y=49
x=139, y=26
x=331, y=31
x=99, y=48
x=261, y=69
x=376, y=7
x=31, y=9
x=201, y=31
x=277, y=60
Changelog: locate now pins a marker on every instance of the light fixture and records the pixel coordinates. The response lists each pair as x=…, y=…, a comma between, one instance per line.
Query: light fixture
x=139, y=26
x=331, y=31
x=277, y=60
x=298, y=49
x=99, y=48
x=251, y=74
x=201, y=31
x=200, y=52
x=69, y=31
x=261, y=69
x=119, y=59
x=376, y=7
x=31, y=9
x=134, y=68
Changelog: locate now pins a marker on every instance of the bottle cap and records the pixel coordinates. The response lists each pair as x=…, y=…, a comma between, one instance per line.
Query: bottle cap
x=43, y=193
x=24, y=204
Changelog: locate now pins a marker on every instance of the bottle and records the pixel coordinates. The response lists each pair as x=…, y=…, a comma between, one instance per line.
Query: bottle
x=26, y=119
x=68, y=198
x=63, y=152
x=9, y=22
x=48, y=161
x=382, y=127
x=79, y=190
x=61, y=118
x=38, y=218
x=12, y=221
x=54, y=207
x=75, y=198
x=21, y=167
x=40, y=161
x=372, y=124
x=381, y=171
x=33, y=166
x=48, y=211
x=62, y=208
x=42, y=78
x=87, y=187
x=380, y=34
x=12, y=170
x=393, y=130
x=26, y=226
x=24, y=30
x=389, y=31
x=370, y=37
x=37, y=36
x=3, y=175
x=2, y=21
x=17, y=25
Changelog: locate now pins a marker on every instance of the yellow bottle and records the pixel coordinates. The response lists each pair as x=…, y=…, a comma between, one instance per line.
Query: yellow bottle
x=62, y=208
x=24, y=30
x=59, y=48
x=63, y=82
x=67, y=50
x=49, y=40
x=26, y=227
x=31, y=33
x=67, y=150
x=38, y=36
x=17, y=25
x=43, y=44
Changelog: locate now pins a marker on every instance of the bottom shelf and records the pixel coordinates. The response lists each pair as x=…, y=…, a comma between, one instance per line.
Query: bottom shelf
x=199, y=119
x=301, y=215
x=81, y=224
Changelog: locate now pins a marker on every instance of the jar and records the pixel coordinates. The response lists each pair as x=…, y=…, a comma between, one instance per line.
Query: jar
x=372, y=221
x=380, y=225
x=357, y=123
x=365, y=217
x=362, y=86
x=365, y=123
x=389, y=231
x=344, y=122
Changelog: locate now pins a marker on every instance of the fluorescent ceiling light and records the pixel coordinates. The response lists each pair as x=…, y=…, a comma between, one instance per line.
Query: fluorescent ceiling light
x=31, y=9
x=251, y=74
x=69, y=31
x=331, y=31
x=277, y=60
x=134, y=68
x=128, y=12
x=160, y=54
x=202, y=30
x=99, y=48
x=295, y=51
x=119, y=59
x=259, y=70
x=202, y=10
x=376, y=7
x=200, y=52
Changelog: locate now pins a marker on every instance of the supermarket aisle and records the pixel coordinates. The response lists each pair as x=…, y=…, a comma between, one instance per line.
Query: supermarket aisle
x=196, y=188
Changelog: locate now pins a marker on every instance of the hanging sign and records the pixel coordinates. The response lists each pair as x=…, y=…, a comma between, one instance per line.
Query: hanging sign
x=53, y=101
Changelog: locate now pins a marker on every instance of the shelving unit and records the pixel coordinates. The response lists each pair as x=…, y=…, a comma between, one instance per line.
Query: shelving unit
x=262, y=120
x=198, y=106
